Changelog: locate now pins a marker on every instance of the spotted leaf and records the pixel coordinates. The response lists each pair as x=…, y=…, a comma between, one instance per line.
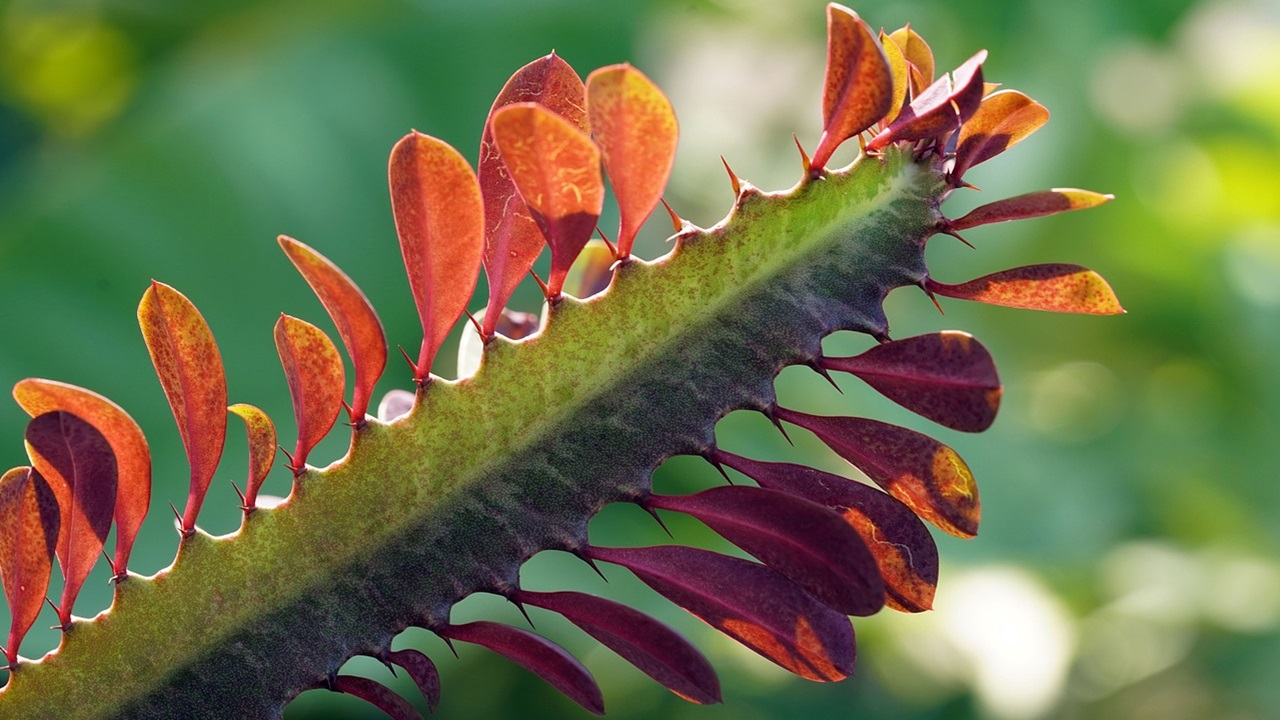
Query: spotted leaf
x=29, y=521
x=1055, y=288
x=314, y=372
x=858, y=89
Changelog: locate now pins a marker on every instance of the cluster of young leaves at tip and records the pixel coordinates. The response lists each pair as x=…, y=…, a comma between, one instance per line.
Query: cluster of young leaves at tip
x=828, y=547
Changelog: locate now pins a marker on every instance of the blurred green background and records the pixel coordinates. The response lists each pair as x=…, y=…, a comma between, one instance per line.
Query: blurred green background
x=1127, y=565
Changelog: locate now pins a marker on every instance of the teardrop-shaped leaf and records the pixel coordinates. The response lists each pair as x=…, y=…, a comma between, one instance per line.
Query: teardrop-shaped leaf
x=512, y=240
x=537, y=655
x=377, y=695
x=942, y=108
x=591, y=272
x=313, y=369
x=1003, y=120
x=858, y=88
x=948, y=377
x=556, y=167
x=262, y=448
x=653, y=647
x=28, y=535
x=440, y=221
x=81, y=469
x=748, y=602
x=1035, y=204
x=900, y=71
x=190, y=369
x=929, y=477
x=903, y=548
x=133, y=458
x=358, y=325
x=422, y=671
x=918, y=54
x=804, y=541
x=636, y=130
x=1055, y=288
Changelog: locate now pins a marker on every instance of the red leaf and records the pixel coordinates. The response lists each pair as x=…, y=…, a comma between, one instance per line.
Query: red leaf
x=804, y=541
x=190, y=369
x=358, y=325
x=440, y=221
x=1003, y=120
x=537, y=655
x=657, y=650
x=948, y=377
x=748, y=602
x=133, y=458
x=1055, y=288
x=636, y=129
x=316, y=380
x=512, y=240
x=377, y=695
x=901, y=544
x=556, y=167
x=858, y=89
x=1036, y=204
x=81, y=469
x=262, y=448
x=423, y=672
x=28, y=535
x=942, y=108
x=929, y=477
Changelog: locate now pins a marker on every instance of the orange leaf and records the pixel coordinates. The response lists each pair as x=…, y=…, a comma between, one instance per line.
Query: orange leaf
x=1036, y=204
x=313, y=369
x=1002, y=121
x=190, y=369
x=557, y=170
x=636, y=130
x=28, y=535
x=901, y=73
x=918, y=53
x=133, y=490
x=858, y=88
x=512, y=240
x=262, y=448
x=1056, y=288
x=440, y=221
x=358, y=325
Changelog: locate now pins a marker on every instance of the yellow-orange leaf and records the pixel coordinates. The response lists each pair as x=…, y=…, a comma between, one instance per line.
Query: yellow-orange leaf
x=313, y=369
x=918, y=54
x=440, y=221
x=591, y=272
x=1002, y=121
x=901, y=72
x=1056, y=288
x=189, y=365
x=636, y=130
x=28, y=534
x=1036, y=204
x=858, y=89
x=557, y=170
x=133, y=491
x=262, y=448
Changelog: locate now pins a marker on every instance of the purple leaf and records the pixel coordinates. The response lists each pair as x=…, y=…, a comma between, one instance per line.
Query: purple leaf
x=941, y=108
x=537, y=655
x=377, y=695
x=804, y=541
x=748, y=602
x=657, y=650
x=423, y=672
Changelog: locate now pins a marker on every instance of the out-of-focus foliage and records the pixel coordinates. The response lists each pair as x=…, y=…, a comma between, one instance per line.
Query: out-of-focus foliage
x=1126, y=566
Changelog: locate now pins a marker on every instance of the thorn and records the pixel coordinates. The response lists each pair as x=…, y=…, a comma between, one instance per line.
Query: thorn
x=676, y=222
x=520, y=606
x=581, y=555
x=239, y=494
x=546, y=292
x=805, y=162
x=733, y=179
x=293, y=466
x=655, y=515
x=946, y=230
x=772, y=414
x=882, y=337
x=924, y=285
x=183, y=531
x=715, y=463
x=817, y=366
x=412, y=365
x=111, y=563
x=612, y=250
x=55, y=610
x=449, y=642
x=479, y=331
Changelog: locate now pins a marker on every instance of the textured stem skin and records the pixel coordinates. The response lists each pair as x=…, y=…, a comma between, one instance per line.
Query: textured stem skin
x=487, y=472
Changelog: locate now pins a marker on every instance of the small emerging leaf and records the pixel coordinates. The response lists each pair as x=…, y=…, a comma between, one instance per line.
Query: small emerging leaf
x=395, y=404
x=377, y=695
x=926, y=475
x=81, y=469
x=804, y=541
x=1036, y=204
x=1055, y=288
x=133, y=458
x=1003, y=120
x=942, y=108
x=557, y=170
x=591, y=272
x=635, y=127
x=358, y=325
x=918, y=53
x=948, y=377
x=313, y=369
x=28, y=535
x=858, y=89
x=512, y=325
x=657, y=650
x=190, y=369
x=512, y=240
x=262, y=448
x=748, y=602
x=537, y=655
x=440, y=221
x=422, y=671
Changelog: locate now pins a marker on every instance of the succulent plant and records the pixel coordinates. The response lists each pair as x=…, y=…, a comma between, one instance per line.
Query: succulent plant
x=448, y=491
